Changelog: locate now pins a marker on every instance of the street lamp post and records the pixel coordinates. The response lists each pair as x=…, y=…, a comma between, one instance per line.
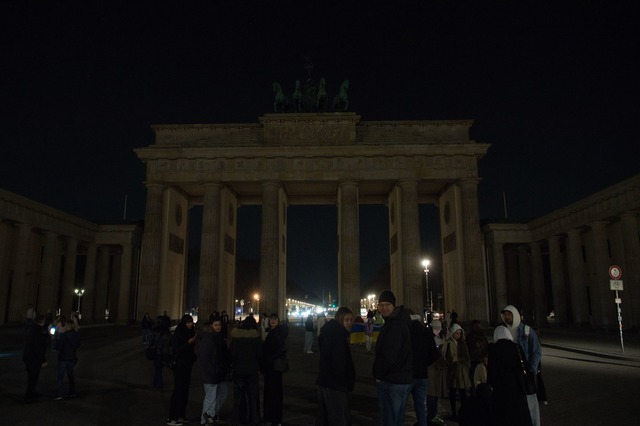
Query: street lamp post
x=257, y=297
x=79, y=292
x=426, y=263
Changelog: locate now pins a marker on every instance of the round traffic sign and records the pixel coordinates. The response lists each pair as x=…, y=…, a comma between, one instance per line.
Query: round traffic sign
x=615, y=272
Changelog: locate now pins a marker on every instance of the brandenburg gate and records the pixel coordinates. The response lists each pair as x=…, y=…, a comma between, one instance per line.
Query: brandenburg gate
x=310, y=158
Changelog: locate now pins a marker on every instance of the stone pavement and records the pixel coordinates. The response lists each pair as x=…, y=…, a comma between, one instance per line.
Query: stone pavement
x=114, y=380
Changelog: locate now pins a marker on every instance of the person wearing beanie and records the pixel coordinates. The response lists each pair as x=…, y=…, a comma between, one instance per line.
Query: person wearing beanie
x=393, y=367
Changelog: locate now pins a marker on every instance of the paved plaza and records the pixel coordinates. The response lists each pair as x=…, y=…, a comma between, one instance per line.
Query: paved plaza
x=589, y=381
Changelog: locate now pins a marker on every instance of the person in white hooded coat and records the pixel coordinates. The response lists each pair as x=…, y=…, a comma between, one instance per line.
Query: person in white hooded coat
x=527, y=339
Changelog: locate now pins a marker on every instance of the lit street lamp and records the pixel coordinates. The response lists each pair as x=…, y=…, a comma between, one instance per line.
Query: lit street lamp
x=426, y=263
x=257, y=297
x=79, y=292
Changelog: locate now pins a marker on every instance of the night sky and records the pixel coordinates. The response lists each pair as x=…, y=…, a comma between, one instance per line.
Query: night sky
x=552, y=86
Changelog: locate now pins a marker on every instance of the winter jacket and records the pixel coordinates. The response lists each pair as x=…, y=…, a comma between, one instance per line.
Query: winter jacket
x=424, y=350
x=214, y=358
x=246, y=351
x=456, y=355
x=35, y=347
x=506, y=377
x=527, y=338
x=183, y=351
x=336, y=371
x=68, y=343
x=275, y=346
x=393, y=362
x=161, y=340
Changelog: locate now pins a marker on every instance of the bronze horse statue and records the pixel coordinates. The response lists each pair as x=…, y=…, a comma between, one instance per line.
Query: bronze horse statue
x=280, y=101
x=341, y=101
x=297, y=97
x=321, y=99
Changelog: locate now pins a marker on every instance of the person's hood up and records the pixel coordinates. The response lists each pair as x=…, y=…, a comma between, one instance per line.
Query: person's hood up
x=501, y=332
x=516, y=320
x=455, y=327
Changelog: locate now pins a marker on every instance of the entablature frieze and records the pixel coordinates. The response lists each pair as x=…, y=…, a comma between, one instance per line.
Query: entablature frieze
x=18, y=209
x=322, y=129
x=318, y=167
x=605, y=205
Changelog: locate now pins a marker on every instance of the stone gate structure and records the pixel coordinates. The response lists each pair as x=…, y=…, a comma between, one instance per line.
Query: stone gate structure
x=310, y=158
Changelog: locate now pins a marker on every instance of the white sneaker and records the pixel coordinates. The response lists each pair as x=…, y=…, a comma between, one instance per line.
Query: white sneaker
x=174, y=423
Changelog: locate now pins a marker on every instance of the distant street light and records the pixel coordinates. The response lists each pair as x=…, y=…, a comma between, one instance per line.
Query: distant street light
x=79, y=292
x=426, y=263
x=257, y=297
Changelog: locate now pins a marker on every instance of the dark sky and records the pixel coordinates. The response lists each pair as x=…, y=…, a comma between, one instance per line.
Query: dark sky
x=553, y=86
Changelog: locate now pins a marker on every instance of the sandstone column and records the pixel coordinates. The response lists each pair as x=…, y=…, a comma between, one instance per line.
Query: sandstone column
x=475, y=288
x=150, y=256
x=102, y=284
x=557, y=281
x=410, y=239
x=269, y=248
x=69, y=276
x=124, y=296
x=500, y=277
x=48, y=283
x=88, y=300
x=604, y=311
x=631, y=272
x=537, y=278
x=349, y=246
x=20, y=285
x=526, y=293
x=577, y=278
x=210, y=249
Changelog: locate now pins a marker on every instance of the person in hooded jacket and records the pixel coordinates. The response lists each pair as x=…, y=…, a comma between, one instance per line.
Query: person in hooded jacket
x=275, y=346
x=337, y=374
x=246, y=353
x=527, y=339
x=182, y=343
x=456, y=355
x=214, y=360
x=506, y=376
x=392, y=367
x=437, y=383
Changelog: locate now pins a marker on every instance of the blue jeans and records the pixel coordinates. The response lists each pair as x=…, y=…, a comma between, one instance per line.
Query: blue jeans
x=392, y=399
x=214, y=396
x=66, y=368
x=419, y=394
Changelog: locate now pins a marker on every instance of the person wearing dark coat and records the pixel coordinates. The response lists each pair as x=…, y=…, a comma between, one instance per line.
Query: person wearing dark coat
x=147, y=325
x=424, y=353
x=275, y=346
x=68, y=344
x=34, y=355
x=161, y=341
x=337, y=374
x=246, y=354
x=392, y=367
x=214, y=360
x=182, y=343
x=506, y=377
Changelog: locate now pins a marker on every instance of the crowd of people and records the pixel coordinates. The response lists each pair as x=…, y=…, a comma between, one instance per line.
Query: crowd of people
x=485, y=383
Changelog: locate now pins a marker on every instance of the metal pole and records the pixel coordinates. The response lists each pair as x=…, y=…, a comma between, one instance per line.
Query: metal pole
x=619, y=321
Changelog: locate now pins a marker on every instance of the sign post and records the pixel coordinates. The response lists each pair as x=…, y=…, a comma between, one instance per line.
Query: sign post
x=615, y=283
